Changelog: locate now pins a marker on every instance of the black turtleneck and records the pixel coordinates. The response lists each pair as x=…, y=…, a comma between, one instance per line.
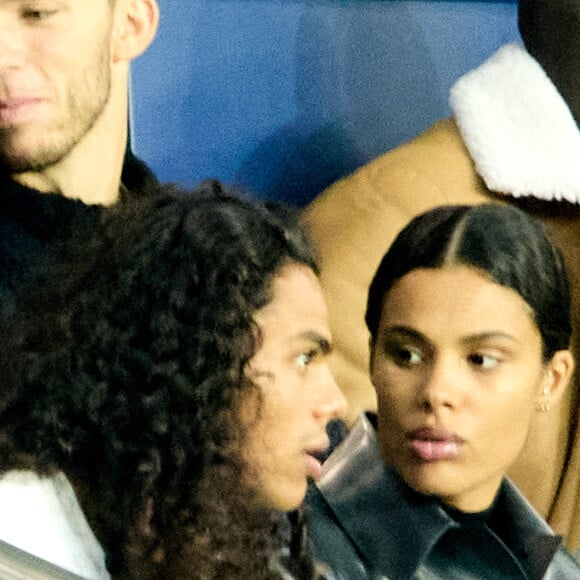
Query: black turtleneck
x=34, y=226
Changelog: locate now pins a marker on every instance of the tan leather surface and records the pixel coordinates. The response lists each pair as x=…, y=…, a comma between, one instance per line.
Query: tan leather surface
x=353, y=223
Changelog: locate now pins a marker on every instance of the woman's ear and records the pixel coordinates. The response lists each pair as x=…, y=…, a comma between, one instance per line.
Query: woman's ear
x=557, y=375
x=135, y=26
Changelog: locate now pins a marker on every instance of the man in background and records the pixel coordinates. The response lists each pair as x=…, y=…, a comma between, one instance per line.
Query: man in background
x=64, y=72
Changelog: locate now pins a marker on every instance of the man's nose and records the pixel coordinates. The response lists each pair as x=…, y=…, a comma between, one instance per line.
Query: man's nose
x=331, y=403
x=12, y=46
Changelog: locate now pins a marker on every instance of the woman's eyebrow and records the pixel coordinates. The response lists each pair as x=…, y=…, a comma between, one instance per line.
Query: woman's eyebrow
x=490, y=335
x=400, y=331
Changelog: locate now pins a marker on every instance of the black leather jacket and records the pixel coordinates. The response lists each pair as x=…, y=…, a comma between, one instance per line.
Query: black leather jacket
x=364, y=522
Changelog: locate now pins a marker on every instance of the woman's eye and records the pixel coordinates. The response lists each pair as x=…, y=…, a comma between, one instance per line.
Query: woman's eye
x=484, y=361
x=404, y=356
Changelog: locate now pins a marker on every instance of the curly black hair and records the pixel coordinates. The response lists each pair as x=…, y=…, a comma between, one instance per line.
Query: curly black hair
x=124, y=370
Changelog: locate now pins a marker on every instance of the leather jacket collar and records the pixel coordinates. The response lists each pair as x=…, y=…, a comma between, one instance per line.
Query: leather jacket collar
x=355, y=481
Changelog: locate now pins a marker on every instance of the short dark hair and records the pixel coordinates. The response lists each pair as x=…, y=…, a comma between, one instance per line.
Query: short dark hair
x=125, y=372
x=501, y=241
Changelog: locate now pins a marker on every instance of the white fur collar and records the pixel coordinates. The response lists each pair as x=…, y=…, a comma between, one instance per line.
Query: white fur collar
x=518, y=129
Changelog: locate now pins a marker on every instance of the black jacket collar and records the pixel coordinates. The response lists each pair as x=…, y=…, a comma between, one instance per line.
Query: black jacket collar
x=355, y=481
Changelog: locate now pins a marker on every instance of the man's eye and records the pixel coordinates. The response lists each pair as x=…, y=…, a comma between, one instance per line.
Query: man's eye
x=485, y=362
x=305, y=358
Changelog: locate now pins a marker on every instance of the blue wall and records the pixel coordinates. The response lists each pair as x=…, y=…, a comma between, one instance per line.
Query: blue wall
x=284, y=97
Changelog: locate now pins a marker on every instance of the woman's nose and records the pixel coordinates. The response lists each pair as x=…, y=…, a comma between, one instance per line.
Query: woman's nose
x=440, y=387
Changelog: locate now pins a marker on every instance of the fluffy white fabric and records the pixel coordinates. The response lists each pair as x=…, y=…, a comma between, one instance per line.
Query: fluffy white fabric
x=518, y=129
x=42, y=516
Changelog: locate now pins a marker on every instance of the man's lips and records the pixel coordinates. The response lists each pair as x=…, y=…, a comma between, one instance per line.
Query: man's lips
x=432, y=445
x=14, y=110
x=313, y=466
x=312, y=459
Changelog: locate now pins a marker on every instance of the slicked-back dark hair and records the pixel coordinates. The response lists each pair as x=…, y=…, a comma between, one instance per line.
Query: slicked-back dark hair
x=503, y=242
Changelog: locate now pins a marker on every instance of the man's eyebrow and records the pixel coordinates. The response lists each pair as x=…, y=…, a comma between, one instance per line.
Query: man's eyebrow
x=323, y=343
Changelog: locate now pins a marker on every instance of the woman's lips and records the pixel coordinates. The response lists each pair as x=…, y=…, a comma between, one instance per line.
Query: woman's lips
x=432, y=445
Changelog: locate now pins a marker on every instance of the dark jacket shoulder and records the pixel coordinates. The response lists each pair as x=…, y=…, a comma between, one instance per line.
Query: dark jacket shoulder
x=364, y=522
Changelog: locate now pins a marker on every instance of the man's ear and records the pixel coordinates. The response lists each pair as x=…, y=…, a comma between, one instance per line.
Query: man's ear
x=135, y=26
x=557, y=375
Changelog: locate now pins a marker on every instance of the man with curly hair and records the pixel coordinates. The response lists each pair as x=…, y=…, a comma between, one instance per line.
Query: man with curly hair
x=167, y=394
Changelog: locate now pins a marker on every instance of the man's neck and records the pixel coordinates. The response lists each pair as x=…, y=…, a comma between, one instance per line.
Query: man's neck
x=91, y=172
x=91, y=180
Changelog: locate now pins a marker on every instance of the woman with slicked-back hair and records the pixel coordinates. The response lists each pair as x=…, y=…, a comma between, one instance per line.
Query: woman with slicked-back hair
x=469, y=322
